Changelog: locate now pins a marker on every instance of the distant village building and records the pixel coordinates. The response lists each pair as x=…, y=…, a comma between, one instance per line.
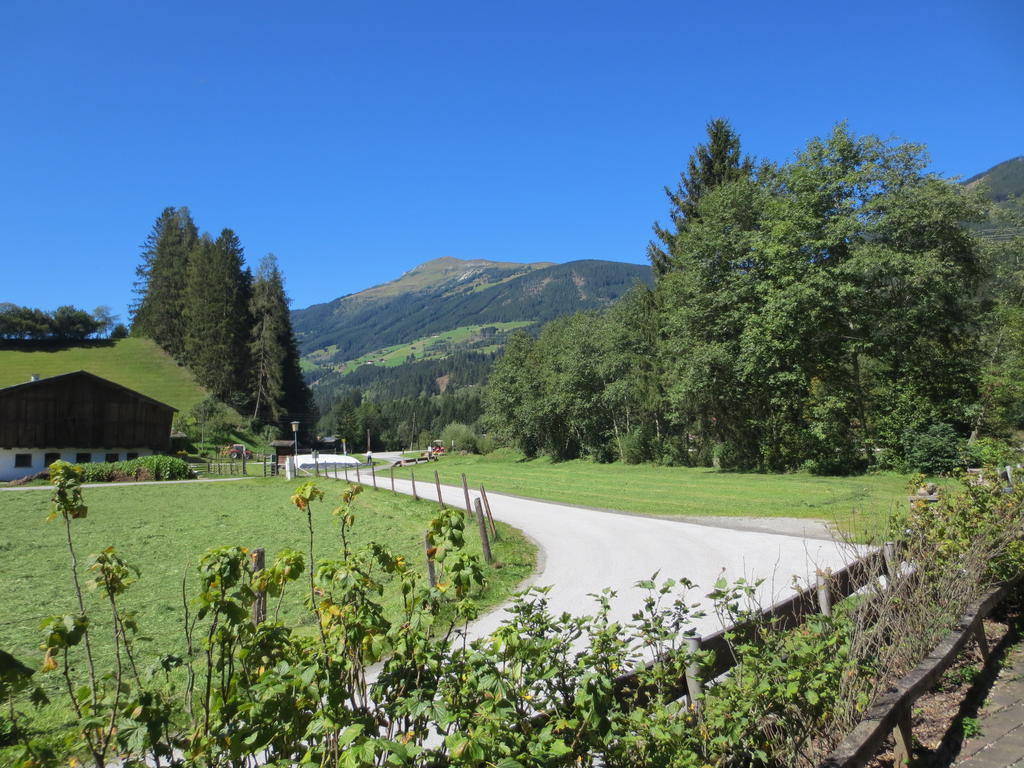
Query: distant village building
x=78, y=417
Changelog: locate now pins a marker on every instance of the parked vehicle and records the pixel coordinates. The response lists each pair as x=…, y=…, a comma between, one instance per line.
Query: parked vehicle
x=237, y=451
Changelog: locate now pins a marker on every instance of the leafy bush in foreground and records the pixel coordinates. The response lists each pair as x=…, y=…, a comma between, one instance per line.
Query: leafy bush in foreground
x=542, y=690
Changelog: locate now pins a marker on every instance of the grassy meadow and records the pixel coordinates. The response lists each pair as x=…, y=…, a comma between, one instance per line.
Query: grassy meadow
x=163, y=529
x=856, y=504
x=135, y=363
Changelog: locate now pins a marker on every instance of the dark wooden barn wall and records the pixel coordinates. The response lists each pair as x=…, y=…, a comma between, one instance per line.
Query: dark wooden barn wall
x=81, y=413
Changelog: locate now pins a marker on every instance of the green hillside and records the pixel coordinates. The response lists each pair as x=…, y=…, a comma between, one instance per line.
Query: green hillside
x=437, y=346
x=135, y=363
x=448, y=293
x=1004, y=181
x=1004, y=185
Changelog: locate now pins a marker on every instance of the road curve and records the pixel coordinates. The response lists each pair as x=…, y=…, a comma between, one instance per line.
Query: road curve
x=583, y=551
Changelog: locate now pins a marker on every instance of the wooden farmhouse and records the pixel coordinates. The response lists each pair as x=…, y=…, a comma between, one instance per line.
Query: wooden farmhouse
x=77, y=417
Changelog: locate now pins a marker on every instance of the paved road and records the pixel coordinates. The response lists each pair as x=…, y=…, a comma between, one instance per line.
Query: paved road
x=582, y=551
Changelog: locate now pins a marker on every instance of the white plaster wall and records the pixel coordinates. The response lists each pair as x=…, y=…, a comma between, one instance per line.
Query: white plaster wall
x=10, y=472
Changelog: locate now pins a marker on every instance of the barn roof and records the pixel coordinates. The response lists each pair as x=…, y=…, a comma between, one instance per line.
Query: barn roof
x=84, y=374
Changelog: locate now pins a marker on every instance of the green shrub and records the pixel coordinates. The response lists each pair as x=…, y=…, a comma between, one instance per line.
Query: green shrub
x=933, y=451
x=142, y=468
x=990, y=452
x=461, y=436
x=639, y=446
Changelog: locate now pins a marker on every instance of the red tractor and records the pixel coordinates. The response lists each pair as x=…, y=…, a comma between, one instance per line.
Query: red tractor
x=237, y=451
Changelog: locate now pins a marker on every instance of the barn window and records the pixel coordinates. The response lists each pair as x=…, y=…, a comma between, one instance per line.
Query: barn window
x=23, y=459
x=50, y=458
x=129, y=456
x=83, y=458
x=112, y=457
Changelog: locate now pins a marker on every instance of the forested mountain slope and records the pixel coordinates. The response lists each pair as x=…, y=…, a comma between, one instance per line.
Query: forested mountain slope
x=1004, y=185
x=449, y=293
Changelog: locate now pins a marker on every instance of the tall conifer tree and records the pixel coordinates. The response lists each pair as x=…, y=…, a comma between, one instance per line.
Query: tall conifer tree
x=710, y=165
x=159, y=309
x=279, y=391
x=216, y=300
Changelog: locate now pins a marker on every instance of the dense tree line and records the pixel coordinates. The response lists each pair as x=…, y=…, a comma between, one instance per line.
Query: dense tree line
x=198, y=300
x=829, y=313
x=400, y=423
x=411, y=380
x=64, y=324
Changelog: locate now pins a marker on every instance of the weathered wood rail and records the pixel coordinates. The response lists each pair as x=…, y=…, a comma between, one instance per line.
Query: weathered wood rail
x=891, y=713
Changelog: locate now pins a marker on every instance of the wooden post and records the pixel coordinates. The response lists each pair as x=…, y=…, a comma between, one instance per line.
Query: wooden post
x=483, y=532
x=694, y=687
x=393, y=480
x=982, y=641
x=465, y=490
x=359, y=478
x=824, y=595
x=412, y=474
x=490, y=517
x=259, y=606
x=373, y=474
x=243, y=462
x=892, y=567
x=428, y=546
x=902, y=735
x=346, y=474
x=437, y=482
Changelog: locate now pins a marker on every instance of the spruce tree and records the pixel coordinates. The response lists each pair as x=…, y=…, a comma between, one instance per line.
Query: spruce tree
x=158, y=310
x=216, y=313
x=710, y=165
x=279, y=391
x=269, y=319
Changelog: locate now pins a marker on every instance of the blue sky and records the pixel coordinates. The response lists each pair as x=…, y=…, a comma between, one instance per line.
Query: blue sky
x=356, y=140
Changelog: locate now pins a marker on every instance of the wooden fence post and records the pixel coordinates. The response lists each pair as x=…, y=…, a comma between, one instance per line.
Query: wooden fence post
x=482, y=523
x=437, y=482
x=393, y=480
x=824, y=595
x=982, y=641
x=892, y=566
x=412, y=475
x=346, y=474
x=694, y=687
x=490, y=517
x=259, y=606
x=903, y=737
x=359, y=478
x=373, y=473
x=428, y=546
x=465, y=490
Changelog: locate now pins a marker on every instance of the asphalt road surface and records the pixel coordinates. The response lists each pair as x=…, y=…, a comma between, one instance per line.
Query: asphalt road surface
x=582, y=551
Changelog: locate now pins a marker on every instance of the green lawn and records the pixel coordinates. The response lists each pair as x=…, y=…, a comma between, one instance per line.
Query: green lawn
x=138, y=364
x=855, y=503
x=164, y=528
